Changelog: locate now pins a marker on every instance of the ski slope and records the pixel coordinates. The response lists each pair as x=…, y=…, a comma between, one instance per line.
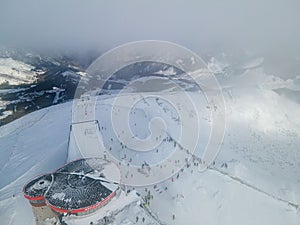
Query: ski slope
x=258, y=185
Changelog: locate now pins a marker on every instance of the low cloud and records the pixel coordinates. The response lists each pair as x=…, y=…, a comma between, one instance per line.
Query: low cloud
x=48, y=24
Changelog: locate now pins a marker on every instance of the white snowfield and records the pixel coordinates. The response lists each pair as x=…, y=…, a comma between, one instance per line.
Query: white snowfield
x=255, y=179
x=16, y=72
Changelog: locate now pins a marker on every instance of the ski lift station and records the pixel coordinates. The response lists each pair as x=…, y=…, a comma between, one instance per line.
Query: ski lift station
x=79, y=188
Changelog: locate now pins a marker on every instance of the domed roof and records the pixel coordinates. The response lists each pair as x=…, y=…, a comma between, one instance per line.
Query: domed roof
x=78, y=186
x=82, y=183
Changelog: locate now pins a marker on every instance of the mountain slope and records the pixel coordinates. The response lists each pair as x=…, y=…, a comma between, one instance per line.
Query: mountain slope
x=255, y=178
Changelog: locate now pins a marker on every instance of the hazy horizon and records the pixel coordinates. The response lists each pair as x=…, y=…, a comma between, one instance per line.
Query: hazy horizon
x=268, y=26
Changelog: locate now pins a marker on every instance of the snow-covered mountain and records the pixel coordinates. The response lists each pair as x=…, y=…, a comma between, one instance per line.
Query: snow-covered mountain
x=254, y=180
x=30, y=81
x=13, y=72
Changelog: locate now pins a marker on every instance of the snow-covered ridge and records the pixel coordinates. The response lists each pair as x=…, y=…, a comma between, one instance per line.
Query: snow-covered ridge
x=263, y=158
x=167, y=72
x=16, y=72
x=255, y=179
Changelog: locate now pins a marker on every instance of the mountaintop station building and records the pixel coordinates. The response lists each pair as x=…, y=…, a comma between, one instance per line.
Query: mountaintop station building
x=80, y=187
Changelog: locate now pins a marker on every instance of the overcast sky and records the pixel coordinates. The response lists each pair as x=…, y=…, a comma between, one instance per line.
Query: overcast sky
x=255, y=24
